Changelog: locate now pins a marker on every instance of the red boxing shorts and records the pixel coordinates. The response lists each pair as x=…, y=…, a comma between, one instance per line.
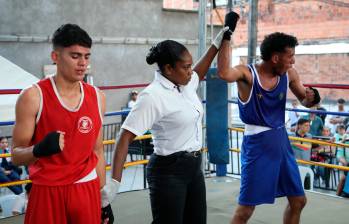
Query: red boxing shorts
x=75, y=203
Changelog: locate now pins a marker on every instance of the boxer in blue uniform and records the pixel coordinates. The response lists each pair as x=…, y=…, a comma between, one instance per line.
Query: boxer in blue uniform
x=269, y=169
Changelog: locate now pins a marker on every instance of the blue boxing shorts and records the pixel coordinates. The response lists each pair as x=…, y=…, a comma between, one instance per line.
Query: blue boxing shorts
x=268, y=168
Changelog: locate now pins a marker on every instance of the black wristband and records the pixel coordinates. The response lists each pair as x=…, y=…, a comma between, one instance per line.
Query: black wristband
x=48, y=146
x=227, y=35
x=107, y=212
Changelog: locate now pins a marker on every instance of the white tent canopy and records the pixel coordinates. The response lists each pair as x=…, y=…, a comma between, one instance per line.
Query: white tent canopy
x=12, y=77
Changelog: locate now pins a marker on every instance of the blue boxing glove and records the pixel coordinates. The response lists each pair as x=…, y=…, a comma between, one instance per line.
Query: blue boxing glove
x=231, y=20
x=48, y=146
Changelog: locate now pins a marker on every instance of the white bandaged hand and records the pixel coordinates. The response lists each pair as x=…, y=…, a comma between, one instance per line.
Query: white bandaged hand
x=109, y=191
x=218, y=39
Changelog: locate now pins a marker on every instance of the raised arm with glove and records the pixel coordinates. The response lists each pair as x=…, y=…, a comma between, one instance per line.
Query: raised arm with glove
x=231, y=20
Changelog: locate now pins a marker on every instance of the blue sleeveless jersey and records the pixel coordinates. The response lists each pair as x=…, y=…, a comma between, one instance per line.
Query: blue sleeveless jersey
x=265, y=108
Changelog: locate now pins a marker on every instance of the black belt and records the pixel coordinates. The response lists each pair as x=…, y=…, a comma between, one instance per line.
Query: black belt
x=193, y=153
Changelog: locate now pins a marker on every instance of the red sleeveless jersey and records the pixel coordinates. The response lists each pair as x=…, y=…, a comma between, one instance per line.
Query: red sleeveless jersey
x=81, y=127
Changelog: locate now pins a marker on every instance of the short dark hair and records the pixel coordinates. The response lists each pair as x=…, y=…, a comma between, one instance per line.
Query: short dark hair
x=166, y=52
x=341, y=101
x=71, y=34
x=276, y=42
x=341, y=126
x=302, y=121
x=2, y=138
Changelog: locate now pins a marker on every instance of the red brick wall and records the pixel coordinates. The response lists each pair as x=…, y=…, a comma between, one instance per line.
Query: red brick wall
x=306, y=19
x=330, y=68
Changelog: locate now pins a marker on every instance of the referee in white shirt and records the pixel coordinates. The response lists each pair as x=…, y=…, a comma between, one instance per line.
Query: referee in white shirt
x=171, y=109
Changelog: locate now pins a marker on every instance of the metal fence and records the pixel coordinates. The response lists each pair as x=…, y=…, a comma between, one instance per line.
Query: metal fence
x=326, y=175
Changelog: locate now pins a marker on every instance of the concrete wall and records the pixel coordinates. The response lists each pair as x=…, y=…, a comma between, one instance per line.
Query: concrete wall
x=122, y=30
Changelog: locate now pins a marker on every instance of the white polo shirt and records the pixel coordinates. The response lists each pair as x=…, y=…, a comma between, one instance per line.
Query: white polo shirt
x=173, y=117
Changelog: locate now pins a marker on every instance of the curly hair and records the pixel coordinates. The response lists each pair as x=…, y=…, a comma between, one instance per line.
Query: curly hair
x=276, y=42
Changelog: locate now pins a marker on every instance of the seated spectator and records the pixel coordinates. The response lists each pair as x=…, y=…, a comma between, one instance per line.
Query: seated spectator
x=4, y=145
x=336, y=120
x=340, y=132
x=133, y=98
x=302, y=149
x=6, y=162
x=322, y=116
x=343, y=159
x=316, y=123
x=323, y=154
x=7, y=176
x=346, y=123
x=20, y=205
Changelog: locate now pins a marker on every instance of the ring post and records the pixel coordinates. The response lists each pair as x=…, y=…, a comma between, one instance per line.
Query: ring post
x=217, y=121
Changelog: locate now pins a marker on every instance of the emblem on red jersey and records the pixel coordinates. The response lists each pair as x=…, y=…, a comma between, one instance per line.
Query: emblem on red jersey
x=85, y=124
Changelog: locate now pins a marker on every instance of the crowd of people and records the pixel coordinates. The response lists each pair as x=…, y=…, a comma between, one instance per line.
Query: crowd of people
x=333, y=128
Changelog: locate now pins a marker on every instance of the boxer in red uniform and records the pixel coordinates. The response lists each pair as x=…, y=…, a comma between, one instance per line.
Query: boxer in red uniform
x=58, y=134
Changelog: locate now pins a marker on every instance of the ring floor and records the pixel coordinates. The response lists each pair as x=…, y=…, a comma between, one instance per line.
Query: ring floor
x=133, y=207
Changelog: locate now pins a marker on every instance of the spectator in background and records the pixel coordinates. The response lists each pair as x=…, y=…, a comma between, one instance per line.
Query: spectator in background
x=133, y=96
x=7, y=176
x=302, y=149
x=321, y=152
x=293, y=116
x=336, y=120
x=3, y=145
x=322, y=116
x=343, y=159
x=326, y=132
x=20, y=205
x=316, y=123
x=340, y=132
x=346, y=123
x=6, y=162
x=324, y=154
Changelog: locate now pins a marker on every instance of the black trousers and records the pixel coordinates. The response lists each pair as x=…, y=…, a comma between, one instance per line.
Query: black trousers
x=177, y=189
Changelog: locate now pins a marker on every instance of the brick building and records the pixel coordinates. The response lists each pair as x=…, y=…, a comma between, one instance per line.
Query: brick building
x=321, y=26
